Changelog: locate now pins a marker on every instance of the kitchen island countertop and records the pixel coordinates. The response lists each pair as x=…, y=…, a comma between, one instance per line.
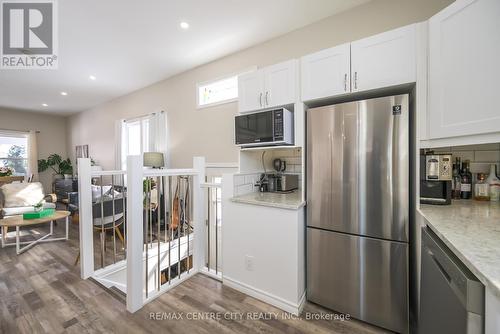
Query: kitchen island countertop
x=291, y=201
x=471, y=229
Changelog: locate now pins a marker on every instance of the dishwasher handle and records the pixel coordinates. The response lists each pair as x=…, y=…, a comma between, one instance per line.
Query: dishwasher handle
x=440, y=266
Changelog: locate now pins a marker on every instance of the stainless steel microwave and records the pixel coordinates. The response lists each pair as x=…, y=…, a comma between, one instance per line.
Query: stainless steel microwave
x=264, y=128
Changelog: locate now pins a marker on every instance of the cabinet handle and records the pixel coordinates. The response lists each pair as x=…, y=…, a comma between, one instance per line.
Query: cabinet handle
x=345, y=82
x=260, y=99
x=267, y=102
x=356, y=80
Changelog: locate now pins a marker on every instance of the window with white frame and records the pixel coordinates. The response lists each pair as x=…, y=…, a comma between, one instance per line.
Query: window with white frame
x=136, y=138
x=218, y=91
x=14, y=152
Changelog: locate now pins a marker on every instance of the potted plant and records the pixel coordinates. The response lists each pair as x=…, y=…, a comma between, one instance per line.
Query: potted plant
x=6, y=171
x=61, y=168
x=38, y=206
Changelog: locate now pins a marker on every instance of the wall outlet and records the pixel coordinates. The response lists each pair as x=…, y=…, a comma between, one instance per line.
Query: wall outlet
x=249, y=262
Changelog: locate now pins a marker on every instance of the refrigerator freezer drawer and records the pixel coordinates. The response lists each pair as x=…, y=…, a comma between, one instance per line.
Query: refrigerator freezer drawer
x=364, y=277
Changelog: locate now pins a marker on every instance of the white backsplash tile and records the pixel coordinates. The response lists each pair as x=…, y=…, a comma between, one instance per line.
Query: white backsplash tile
x=480, y=167
x=480, y=156
x=244, y=189
x=464, y=155
x=486, y=156
x=239, y=180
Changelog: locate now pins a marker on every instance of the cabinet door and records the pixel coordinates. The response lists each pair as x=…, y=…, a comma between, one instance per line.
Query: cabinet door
x=280, y=83
x=384, y=60
x=464, y=67
x=326, y=73
x=251, y=91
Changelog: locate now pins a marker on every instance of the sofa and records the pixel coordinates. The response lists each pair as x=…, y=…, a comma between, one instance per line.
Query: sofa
x=19, y=198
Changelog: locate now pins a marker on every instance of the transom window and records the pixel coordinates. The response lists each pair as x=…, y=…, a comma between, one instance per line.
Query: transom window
x=217, y=92
x=14, y=152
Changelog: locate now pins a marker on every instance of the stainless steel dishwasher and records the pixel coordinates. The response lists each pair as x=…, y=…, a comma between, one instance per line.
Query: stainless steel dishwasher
x=451, y=297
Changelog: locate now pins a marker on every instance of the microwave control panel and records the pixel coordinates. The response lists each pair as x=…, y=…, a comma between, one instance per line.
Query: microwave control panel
x=278, y=124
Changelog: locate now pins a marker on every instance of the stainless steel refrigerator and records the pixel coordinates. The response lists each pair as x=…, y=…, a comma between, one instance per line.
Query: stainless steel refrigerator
x=358, y=209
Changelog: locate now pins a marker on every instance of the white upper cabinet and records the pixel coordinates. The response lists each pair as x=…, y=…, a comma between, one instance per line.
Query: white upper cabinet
x=280, y=83
x=269, y=87
x=384, y=60
x=251, y=91
x=464, y=69
x=326, y=73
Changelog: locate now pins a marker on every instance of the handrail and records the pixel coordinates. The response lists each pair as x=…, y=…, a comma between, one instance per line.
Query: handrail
x=107, y=173
x=168, y=172
x=148, y=172
x=211, y=185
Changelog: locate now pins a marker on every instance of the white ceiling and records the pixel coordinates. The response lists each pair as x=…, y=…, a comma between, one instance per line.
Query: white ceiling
x=129, y=44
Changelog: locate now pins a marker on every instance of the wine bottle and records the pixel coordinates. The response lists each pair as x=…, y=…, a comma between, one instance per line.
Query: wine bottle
x=456, y=181
x=466, y=181
x=494, y=183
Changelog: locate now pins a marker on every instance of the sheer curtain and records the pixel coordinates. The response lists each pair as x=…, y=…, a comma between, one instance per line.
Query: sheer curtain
x=158, y=134
x=32, y=155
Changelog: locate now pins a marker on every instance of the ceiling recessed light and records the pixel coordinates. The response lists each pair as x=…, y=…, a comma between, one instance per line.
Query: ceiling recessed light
x=64, y=93
x=45, y=105
x=184, y=25
x=92, y=77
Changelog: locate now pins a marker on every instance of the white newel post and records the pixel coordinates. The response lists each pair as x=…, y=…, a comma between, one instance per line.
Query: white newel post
x=85, y=213
x=198, y=214
x=135, y=270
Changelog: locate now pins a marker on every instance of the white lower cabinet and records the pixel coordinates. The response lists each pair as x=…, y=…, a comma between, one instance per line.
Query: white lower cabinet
x=263, y=251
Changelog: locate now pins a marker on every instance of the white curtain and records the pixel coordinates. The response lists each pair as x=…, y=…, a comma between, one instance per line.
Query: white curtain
x=158, y=134
x=32, y=155
x=153, y=132
x=118, y=143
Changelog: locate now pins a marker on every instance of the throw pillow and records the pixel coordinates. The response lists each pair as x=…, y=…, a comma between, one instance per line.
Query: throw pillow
x=96, y=192
x=22, y=194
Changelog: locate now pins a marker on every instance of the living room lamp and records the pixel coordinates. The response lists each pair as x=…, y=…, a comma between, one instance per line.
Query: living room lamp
x=154, y=160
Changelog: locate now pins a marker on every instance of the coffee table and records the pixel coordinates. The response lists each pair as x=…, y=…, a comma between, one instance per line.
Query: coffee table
x=18, y=222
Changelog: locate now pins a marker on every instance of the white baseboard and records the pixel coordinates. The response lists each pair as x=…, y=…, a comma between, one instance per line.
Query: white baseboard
x=302, y=302
x=276, y=301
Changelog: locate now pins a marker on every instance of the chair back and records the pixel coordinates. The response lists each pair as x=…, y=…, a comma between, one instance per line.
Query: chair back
x=107, y=207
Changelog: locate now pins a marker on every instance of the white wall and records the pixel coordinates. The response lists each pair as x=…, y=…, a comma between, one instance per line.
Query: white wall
x=51, y=139
x=208, y=132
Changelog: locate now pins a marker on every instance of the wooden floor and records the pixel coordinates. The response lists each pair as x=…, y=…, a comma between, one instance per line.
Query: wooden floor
x=41, y=292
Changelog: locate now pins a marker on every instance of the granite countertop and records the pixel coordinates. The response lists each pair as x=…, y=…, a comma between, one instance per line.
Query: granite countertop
x=471, y=229
x=292, y=201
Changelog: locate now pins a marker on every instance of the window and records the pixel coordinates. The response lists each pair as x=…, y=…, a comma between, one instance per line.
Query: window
x=135, y=138
x=218, y=92
x=14, y=152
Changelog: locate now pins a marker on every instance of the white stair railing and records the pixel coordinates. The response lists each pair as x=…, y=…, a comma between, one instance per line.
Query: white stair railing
x=213, y=225
x=164, y=256
x=101, y=210
x=164, y=216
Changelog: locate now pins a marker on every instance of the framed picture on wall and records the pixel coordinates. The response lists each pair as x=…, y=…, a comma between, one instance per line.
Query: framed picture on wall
x=82, y=151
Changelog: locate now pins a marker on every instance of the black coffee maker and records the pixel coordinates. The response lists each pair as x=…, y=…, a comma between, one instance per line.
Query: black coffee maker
x=435, y=178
